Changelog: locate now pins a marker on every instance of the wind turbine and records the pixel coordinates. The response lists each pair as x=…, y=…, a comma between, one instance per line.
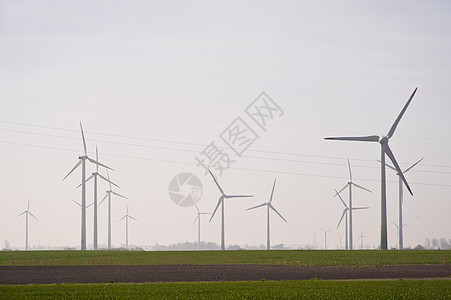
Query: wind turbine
x=126, y=217
x=108, y=195
x=361, y=239
x=398, y=231
x=27, y=212
x=350, y=184
x=95, y=175
x=325, y=237
x=82, y=162
x=385, y=150
x=345, y=215
x=401, y=188
x=221, y=202
x=269, y=206
x=198, y=216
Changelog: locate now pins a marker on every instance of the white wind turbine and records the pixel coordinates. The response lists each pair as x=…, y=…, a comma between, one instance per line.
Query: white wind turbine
x=345, y=215
x=108, y=195
x=269, y=206
x=198, y=216
x=221, y=202
x=126, y=217
x=325, y=237
x=27, y=212
x=361, y=239
x=401, y=188
x=82, y=162
x=349, y=185
x=95, y=175
x=385, y=150
x=397, y=230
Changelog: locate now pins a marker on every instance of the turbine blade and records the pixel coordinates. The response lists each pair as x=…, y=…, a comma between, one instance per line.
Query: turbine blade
x=408, y=169
x=272, y=192
x=83, y=137
x=97, y=159
x=33, y=216
x=133, y=218
x=393, y=127
x=21, y=213
x=371, y=138
x=107, y=180
x=196, y=206
x=342, y=216
x=275, y=210
x=342, y=201
x=119, y=195
x=91, y=205
x=76, y=202
x=260, y=205
x=361, y=187
x=349, y=166
x=108, y=175
x=121, y=218
x=197, y=217
x=366, y=207
x=106, y=196
x=216, y=208
x=389, y=153
x=73, y=169
x=341, y=190
x=237, y=196
x=217, y=184
x=388, y=166
x=28, y=207
x=99, y=164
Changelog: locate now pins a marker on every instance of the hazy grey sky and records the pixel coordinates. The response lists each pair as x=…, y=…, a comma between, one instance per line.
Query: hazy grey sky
x=155, y=82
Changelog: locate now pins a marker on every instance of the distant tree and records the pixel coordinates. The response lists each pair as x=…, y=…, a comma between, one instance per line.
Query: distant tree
x=419, y=247
x=434, y=243
x=444, y=244
x=6, y=245
x=427, y=244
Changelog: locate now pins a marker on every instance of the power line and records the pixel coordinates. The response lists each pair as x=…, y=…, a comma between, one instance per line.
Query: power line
x=236, y=168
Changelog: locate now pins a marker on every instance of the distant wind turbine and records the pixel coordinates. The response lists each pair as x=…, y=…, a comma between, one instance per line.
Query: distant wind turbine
x=385, y=150
x=198, y=216
x=401, y=188
x=108, y=195
x=349, y=185
x=82, y=162
x=95, y=175
x=221, y=202
x=398, y=231
x=269, y=206
x=325, y=237
x=27, y=212
x=345, y=215
x=361, y=239
x=126, y=217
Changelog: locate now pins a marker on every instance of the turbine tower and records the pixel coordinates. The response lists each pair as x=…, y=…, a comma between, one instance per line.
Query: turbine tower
x=397, y=231
x=325, y=237
x=95, y=175
x=126, y=217
x=108, y=195
x=82, y=162
x=345, y=215
x=385, y=150
x=269, y=206
x=198, y=216
x=401, y=188
x=221, y=202
x=350, y=184
x=27, y=212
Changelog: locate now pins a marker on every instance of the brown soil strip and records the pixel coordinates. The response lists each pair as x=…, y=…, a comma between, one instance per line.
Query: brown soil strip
x=175, y=273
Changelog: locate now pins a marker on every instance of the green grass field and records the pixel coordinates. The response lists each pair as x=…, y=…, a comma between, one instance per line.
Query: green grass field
x=310, y=289
x=358, y=258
